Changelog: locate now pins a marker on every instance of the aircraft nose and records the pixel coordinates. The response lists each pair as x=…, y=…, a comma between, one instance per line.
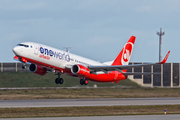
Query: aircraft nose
x=15, y=50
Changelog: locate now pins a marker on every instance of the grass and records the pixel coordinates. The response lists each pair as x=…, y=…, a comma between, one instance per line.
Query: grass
x=81, y=93
x=132, y=90
x=28, y=79
x=88, y=111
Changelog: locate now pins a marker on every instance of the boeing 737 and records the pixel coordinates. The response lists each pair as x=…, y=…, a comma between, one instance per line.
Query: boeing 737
x=43, y=58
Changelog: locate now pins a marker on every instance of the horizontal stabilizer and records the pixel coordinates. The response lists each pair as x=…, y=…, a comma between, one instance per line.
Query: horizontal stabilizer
x=140, y=73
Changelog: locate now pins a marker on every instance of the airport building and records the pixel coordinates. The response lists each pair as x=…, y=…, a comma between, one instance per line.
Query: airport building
x=168, y=78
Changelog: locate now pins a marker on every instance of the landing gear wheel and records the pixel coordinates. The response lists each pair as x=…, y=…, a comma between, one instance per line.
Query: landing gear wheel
x=81, y=81
x=61, y=81
x=85, y=82
x=23, y=66
x=56, y=81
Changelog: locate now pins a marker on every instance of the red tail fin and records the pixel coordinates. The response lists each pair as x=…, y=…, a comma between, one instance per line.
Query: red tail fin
x=125, y=54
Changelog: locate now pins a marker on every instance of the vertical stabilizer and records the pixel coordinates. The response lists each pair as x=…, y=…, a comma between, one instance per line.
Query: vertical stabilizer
x=125, y=54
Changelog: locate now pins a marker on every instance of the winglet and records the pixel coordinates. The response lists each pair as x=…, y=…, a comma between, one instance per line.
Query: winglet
x=165, y=59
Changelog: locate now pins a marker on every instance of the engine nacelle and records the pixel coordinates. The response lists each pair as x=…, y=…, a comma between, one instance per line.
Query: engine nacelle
x=37, y=69
x=80, y=70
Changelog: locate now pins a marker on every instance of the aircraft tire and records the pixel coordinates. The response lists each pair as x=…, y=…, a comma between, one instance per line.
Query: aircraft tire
x=56, y=81
x=81, y=81
x=85, y=82
x=61, y=81
x=23, y=66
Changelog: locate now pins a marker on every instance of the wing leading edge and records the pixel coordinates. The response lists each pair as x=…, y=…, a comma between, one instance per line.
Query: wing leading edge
x=119, y=68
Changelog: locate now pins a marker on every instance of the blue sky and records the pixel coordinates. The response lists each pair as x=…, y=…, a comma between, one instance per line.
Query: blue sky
x=96, y=29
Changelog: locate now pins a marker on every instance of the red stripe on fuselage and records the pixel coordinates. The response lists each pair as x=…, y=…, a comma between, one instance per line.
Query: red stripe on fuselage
x=111, y=77
x=46, y=65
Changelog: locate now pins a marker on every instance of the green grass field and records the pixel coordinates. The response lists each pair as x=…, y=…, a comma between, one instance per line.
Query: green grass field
x=28, y=79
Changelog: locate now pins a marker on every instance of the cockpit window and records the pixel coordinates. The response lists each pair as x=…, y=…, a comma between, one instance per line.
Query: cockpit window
x=23, y=45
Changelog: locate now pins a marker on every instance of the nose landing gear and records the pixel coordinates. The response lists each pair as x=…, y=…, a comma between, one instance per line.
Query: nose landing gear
x=24, y=66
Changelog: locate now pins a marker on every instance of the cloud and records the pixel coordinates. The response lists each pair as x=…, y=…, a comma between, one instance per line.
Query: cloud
x=144, y=8
x=24, y=22
x=99, y=5
x=172, y=5
x=21, y=5
x=158, y=7
x=139, y=33
x=153, y=43
x=99, y=40
x=14, y=36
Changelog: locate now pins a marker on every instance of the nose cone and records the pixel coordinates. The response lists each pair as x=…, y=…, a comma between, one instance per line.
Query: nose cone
x=16, y=50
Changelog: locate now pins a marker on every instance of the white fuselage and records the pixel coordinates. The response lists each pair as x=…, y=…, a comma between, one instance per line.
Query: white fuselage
x=51, y=56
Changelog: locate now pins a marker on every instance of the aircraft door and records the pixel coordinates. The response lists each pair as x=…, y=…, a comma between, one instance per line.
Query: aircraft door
x=35, y=49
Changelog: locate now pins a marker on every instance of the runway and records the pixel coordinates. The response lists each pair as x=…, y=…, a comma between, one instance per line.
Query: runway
x=133, y=117
x=88, y=102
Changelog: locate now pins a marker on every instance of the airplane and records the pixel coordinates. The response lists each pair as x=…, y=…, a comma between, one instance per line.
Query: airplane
x=43, y=58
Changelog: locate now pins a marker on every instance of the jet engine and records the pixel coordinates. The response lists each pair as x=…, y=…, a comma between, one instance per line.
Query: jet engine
x=37, y=69
x=80, y=70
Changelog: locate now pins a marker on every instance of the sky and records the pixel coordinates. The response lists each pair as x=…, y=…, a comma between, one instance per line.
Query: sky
x=96, y=29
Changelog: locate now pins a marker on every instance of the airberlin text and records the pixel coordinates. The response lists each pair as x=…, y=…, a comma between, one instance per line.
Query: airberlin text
x=50, y=53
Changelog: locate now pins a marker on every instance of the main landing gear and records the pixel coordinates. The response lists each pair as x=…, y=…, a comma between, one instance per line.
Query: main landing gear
x=59, y=80
x=84, y=82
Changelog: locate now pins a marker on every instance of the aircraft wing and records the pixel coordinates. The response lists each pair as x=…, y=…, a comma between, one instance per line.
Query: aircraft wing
x=106, y=69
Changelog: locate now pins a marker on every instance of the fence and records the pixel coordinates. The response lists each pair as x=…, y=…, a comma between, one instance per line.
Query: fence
x=168, y=78
x=13, y=67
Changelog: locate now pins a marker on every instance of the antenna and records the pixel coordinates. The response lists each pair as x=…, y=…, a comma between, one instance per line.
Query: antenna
x=67, y=48
x=160, y=43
